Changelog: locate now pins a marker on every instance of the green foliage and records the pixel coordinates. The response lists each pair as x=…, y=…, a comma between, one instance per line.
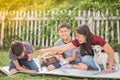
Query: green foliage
x=60, y=4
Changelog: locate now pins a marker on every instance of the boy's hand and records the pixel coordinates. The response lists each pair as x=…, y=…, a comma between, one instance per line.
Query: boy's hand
x=29, y=57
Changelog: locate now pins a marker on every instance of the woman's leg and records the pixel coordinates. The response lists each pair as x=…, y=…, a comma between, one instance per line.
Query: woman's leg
x=89, y=60
x=80, y=66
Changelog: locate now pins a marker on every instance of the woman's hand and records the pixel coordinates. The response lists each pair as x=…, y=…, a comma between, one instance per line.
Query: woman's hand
x=42, y=51
x=107, y=70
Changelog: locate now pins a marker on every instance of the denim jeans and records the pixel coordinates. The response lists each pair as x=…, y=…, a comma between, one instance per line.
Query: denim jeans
x=58, y=65
x=31, y=65
x=89, y=60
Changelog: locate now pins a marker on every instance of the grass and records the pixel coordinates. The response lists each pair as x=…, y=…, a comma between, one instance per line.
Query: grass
x=4, y=60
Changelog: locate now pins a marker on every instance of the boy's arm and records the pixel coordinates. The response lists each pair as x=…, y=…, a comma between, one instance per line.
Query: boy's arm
x=72, y=58
x=18, y=67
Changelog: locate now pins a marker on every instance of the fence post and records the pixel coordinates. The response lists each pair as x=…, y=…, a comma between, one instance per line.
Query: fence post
x=90, y=21
x=2, y=30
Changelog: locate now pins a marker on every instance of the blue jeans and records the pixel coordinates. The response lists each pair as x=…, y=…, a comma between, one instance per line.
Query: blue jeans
x=31, y=65
x=58, y=65
x=89, y=60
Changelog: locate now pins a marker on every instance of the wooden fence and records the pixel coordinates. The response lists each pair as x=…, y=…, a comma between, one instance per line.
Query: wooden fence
x=40, y=27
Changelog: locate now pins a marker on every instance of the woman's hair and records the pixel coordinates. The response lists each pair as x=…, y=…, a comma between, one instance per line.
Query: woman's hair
x=84, y=30
x=63, y=25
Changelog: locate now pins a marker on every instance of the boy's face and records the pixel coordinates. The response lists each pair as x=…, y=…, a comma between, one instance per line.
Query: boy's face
x=64, y=33
x=22, y=54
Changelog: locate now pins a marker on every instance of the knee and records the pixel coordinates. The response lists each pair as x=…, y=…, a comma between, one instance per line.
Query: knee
x=86, y=59
x=50, y=67
x=32, y=66
x=36, y=69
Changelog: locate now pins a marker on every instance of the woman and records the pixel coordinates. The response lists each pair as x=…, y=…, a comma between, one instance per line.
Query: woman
x=85, y=39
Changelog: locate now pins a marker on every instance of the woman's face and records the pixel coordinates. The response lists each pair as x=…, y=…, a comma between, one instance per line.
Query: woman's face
x=81, y=38
x=64, y=33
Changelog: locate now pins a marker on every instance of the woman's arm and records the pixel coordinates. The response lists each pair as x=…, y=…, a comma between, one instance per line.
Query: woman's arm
x=72, y=58
x=107, y=48
x=58, y=49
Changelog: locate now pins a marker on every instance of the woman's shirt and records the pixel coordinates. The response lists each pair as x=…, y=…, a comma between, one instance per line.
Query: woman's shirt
x=96, y=40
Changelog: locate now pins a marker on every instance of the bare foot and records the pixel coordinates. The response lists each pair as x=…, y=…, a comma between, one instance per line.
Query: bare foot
x=80, y=66
x=83, y=66
x=13, y=71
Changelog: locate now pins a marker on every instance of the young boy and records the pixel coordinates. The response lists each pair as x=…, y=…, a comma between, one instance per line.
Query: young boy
x=72, y=56
x=20, y=55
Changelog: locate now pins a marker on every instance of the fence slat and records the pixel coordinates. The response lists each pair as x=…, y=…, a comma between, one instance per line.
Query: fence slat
x=39, y=30
x=98, y=23
x=118, y=26
x=2, y=29
x=35, y=29
x=106, y=28
x=33, y=26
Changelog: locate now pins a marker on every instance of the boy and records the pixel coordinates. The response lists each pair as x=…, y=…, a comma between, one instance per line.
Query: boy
x=72, y=56
x=20, y=55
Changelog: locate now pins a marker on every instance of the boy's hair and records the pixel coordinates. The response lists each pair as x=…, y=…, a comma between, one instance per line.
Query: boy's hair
x=64, y=25
x=17, y=47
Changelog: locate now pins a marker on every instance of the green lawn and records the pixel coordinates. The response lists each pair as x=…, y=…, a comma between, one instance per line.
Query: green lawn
x=4, y=60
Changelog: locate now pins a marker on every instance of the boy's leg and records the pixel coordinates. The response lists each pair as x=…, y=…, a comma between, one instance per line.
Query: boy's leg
x=51, y=67
x=31, y=65
x=54, y=66
x=12, y=68
x=74, y=62
x=89, y=60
